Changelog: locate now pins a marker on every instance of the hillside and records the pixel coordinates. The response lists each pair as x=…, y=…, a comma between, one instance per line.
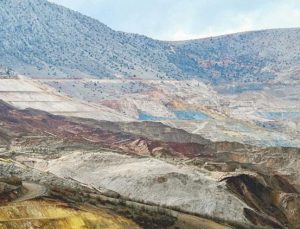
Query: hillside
x=42, y=39
x=228, y=183
x=249, y=57
x=39, y=38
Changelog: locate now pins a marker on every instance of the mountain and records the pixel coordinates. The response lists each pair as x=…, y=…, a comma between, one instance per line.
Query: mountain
x=258, y=56
x=41, y=39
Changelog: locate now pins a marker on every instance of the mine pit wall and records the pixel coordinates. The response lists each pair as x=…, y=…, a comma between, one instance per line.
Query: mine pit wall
x=160, y=132
x=275, y=202
x=229, y=146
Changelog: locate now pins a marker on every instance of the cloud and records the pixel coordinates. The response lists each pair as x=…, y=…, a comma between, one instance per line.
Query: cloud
x=189, y=19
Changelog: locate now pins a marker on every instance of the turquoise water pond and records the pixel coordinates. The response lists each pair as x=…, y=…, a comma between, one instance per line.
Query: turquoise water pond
x=181, y=115
x=280, y=115
x=191, y=115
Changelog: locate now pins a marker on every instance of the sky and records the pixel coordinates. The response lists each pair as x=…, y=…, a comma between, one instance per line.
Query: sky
x=189, y=19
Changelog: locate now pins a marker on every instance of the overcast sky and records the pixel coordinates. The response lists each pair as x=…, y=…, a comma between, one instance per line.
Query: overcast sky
x=188, y=19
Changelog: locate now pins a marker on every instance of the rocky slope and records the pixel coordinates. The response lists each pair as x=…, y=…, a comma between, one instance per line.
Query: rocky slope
x=250, y=57
x=58, y=41
x=253, y=117
x=42, y=39
x=145, y=167
x=24, y=93
x=45, y=200
x=266, y=117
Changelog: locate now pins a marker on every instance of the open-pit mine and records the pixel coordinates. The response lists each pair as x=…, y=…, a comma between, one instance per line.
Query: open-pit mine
x=106, y=129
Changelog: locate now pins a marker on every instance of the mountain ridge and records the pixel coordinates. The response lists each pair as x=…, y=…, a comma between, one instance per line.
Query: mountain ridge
x=227, y=34
x=56, y=41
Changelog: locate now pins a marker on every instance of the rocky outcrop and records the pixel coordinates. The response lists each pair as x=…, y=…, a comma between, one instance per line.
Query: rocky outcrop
x=10, y=188
x=273, y=201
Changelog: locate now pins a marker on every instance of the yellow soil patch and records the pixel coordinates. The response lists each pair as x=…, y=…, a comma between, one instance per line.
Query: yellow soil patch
x=56, y=215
